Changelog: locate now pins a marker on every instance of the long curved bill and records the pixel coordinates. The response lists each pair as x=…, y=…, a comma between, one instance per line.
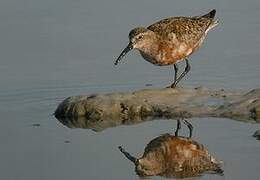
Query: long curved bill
x=128, y=156
x=128, y=48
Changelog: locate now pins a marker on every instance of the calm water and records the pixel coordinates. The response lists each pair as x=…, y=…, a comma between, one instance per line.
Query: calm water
x=53, y=49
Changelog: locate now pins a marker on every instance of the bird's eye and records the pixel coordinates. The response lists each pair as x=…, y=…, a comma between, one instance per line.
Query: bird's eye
x=146, y=169
x=140, y=37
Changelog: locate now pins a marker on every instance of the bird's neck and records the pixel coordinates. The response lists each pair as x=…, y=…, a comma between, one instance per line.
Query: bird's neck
x=150, y=48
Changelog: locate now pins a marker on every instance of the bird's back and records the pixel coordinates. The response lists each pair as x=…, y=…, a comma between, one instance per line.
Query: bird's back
x=185, y=157
x=185, y=29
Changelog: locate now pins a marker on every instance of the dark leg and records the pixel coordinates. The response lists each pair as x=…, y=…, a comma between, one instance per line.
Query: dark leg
x=187, y=69
x=178, y=127
x=189, y=126
x=175, y=72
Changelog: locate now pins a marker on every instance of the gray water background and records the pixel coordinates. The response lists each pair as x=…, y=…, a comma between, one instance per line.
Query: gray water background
x=53, y=49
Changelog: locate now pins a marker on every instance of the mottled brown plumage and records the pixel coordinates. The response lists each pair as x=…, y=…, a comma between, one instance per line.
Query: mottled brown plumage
x=170, y=40
x=174, y=156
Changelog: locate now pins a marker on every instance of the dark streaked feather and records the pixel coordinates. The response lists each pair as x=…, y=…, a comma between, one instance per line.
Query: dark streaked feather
x=186, y=29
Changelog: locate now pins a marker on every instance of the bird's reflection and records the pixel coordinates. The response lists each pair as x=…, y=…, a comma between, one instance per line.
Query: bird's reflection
x=174, y=156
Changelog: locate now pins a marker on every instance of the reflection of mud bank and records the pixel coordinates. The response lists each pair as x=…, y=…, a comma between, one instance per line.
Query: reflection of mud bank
x=100, y=125
x=174, y=156
x=165, y=103
x=257, y=134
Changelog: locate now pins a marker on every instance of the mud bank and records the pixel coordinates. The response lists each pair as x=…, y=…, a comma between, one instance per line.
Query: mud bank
x=143, y=104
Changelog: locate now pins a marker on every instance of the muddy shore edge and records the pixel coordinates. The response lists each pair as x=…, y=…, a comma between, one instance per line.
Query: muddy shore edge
x=162, y=103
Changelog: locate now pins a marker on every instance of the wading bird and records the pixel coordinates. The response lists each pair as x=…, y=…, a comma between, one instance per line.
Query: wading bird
x=170, y=41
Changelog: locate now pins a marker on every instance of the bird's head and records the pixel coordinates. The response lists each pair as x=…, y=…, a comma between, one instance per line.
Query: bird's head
x=148, y=167
x=145, y=166
x=139, y=38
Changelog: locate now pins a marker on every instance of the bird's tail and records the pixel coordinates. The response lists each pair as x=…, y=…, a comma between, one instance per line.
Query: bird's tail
x=213, y=24
x=210, y=15
x=217, y=166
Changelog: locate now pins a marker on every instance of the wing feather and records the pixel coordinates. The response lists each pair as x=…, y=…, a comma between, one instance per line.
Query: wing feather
x=186, y=29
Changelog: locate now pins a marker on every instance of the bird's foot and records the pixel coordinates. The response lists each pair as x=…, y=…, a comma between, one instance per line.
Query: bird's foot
x=172, y=86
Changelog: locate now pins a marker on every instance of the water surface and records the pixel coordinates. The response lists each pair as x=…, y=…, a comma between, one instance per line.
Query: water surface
x=53, y=49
